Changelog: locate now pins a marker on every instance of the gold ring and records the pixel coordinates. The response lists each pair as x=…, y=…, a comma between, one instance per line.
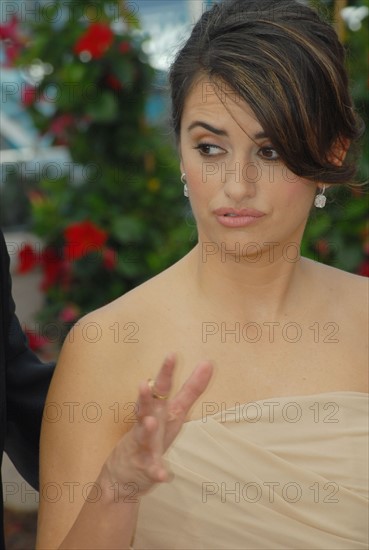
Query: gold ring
x=155, y=395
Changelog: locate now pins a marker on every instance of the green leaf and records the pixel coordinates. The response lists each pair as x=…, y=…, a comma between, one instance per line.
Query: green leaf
x=128, y=268
x=318, y=225
x=348, y=258
x=128, y=229
x=356, y=208
x=104, y=108
x=124, y=71
x=74, y=72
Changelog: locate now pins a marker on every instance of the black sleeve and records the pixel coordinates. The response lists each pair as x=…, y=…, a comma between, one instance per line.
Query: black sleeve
x=27, y=382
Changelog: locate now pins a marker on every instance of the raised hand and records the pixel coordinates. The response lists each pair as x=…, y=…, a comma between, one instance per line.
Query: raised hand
x=138, y=456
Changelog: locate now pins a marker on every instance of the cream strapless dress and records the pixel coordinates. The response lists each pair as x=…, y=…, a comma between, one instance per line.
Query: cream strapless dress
x=280, y=473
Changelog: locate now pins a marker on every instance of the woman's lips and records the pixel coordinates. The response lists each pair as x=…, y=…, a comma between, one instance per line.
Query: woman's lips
x=231, y=217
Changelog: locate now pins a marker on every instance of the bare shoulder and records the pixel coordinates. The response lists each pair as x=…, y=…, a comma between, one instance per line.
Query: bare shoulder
x=349, y=285
x=345, y=293
x=105, y=355
x=150, y=304
x=104, y=347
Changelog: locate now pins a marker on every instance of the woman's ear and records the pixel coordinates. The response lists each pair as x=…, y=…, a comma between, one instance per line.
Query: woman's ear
x=339, y=150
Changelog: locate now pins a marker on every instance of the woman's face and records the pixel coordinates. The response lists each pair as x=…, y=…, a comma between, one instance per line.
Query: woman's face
x=230, y=164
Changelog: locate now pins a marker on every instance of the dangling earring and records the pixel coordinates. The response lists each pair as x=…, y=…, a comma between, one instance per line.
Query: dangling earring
x=185, y=188
x=320, y=199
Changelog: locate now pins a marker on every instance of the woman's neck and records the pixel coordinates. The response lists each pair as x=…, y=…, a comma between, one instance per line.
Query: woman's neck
x=266, y=285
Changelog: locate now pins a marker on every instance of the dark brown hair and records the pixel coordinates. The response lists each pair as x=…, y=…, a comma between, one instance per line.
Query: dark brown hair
x=289, y=66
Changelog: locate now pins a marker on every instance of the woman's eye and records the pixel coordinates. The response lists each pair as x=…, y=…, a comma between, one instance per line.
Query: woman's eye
x=207, y=149
x=268, y=153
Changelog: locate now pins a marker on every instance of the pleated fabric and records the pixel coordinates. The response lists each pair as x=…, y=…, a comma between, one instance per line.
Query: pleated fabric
x=281, y=473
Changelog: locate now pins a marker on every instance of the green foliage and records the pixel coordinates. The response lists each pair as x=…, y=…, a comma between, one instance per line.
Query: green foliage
x=124, y=178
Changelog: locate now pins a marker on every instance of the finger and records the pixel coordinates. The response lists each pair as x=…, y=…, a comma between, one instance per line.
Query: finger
x=145, y=433
x=146, y=439
x=159, y=472
x=147, y=406
x=163, y=380
x=144, y=401
x=194, y=386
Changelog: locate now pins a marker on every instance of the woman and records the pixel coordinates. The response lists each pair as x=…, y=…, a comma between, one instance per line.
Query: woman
x=272, y=423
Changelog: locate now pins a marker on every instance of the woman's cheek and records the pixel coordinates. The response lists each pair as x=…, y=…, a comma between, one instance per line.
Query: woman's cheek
x=202, y=179
x=297, y=191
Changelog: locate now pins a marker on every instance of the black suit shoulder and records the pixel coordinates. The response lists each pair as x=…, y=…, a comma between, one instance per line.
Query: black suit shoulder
x=24, y=381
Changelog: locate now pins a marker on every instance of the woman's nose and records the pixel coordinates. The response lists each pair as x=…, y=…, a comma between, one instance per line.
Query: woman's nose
x=240, y=179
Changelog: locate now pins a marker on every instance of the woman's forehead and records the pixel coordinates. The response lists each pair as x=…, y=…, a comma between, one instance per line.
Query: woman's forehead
x=219, y=102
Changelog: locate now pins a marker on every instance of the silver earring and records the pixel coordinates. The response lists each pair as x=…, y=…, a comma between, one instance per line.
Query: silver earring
x=185, y=188
x=320, y=199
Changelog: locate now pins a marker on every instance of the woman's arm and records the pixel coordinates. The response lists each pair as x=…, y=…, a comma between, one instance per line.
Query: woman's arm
x=95, y=469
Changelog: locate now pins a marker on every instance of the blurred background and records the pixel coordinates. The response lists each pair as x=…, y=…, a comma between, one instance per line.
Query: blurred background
x=91, y=201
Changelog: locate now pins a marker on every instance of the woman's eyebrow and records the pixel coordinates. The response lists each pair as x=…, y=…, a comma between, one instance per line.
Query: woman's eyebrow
x=207, y=126
x=218, y=132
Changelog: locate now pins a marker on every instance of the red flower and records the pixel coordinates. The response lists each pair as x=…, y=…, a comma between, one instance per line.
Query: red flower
x=12, y=52
x=53, y=267
x=113, y=82
x=9, y=31
x=96, y=40
x=27, y=259
x=60, y=123
x=124, y=47
x=13, y=40
x=322, y=246
x=35, y=341
x=29, y=95
x=69, y=313
x=364, y=268
x=109, y=258
x=60, y=127
x=83, y=238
